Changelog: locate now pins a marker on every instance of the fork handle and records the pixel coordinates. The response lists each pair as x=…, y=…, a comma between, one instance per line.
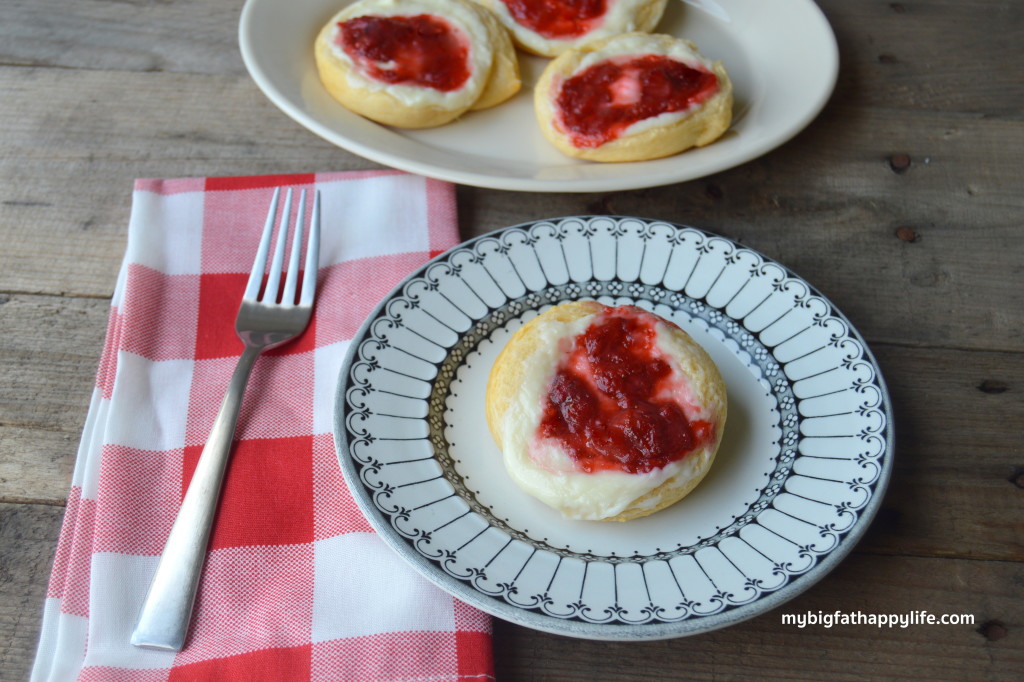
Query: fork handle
x=164, y=619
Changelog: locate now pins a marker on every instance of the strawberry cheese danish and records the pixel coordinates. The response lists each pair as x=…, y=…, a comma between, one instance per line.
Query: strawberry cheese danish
x=550, y=27
x=605, y=413
x=633, y=97
x=416, y=63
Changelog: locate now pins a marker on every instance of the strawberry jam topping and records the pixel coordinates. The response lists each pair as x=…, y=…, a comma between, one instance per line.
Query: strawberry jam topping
x=597, y=104
x=558, y=19
x=421, y=50
x=610, y=403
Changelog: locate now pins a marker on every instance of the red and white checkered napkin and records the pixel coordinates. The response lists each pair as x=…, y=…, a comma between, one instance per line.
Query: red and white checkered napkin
x=296, y=585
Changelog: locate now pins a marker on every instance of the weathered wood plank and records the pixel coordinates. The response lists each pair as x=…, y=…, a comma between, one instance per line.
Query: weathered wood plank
x=119, y=35
x=28, y=540
x=832, y=186
x=765, y=649
x=48, y=384
x=82, y=157
x=954, y=490
x=939, y=55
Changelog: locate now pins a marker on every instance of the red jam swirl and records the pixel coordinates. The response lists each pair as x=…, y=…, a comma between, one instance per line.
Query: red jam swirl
x=599, y=103
x=609, y=403
x=421, y=50
x=558, y=19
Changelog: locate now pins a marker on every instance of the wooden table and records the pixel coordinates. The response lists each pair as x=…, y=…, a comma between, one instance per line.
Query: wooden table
x=902, y=203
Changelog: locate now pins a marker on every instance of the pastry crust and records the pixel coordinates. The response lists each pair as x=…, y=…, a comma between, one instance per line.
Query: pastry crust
x=623, y=16
x=654, y=138
x=494, y=78
x=528, y=359
x=504, y=80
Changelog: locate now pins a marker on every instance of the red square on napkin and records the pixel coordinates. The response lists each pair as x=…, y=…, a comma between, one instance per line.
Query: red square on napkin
x=267, y=498
x=219, y=298
x=268, y=665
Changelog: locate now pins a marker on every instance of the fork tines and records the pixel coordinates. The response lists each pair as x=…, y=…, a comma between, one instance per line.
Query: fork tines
x=272, y=291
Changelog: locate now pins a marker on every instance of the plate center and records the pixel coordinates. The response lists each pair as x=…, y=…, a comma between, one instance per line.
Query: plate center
x=741, y=469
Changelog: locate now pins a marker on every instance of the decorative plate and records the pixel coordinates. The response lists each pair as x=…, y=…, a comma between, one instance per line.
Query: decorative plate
x=801, y=470
x=783, y=62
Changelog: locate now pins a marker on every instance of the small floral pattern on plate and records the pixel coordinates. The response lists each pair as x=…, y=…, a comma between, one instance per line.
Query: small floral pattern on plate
x=804, y=463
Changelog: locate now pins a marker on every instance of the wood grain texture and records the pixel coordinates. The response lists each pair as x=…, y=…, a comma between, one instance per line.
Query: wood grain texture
x=960, y=196
x=121, y=35
x=763, y=648
x=937, y=55
x=49, y=353
x=901, y=203
x=28, y=538
x=952, y=493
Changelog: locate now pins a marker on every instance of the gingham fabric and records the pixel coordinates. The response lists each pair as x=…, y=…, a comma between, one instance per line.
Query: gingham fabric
x=296, y=586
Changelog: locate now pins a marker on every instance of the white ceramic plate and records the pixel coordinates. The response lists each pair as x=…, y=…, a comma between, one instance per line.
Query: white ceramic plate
x=802, y=468
x=781, y=56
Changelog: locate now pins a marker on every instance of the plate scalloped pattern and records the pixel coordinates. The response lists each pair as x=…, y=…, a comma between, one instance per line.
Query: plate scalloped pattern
x=831, y=453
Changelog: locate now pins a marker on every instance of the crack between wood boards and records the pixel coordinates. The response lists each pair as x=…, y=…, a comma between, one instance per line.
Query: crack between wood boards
x=927, y=346
x=1007, y=114
x=56, y=294
x=40, y=66
x=41, y=501
x=941, y=557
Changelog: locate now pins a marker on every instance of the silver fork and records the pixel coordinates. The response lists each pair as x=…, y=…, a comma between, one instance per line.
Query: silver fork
x=262, y=323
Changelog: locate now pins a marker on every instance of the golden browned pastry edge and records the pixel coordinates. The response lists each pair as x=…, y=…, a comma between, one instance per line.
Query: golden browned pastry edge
x=504, y=81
